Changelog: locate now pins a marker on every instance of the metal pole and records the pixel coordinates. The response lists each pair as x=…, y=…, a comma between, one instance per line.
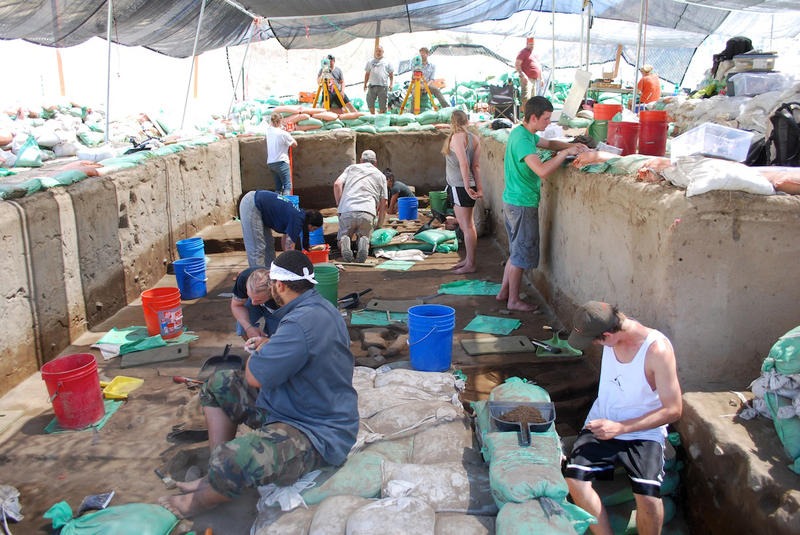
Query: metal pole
x=553, y=68
x=241, y=72
x=642, y=5
x=588, y=31
x=194, y=53
x=109, y=20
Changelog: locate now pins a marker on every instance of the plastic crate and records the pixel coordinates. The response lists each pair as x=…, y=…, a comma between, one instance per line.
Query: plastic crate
x=748, y=84
x=754, y=62
x=712, y=140
x=497, y=409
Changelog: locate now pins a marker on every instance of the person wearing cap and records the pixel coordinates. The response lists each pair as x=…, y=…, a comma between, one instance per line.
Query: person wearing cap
x=649, y=85
x=278, y=143
x=295, y=394
x=429, y=73
x=638, y=395
x=361, y=198
x=378, y=79
x=524, y=172
x=261, y=212
x=396, y=189
x=252, y=301
x=530, y=73
x=337, y=77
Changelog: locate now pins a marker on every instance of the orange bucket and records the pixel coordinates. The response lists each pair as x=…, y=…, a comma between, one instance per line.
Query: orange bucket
x=318, y=256
x=653, y=116
x=162, y=312
x=606, y=112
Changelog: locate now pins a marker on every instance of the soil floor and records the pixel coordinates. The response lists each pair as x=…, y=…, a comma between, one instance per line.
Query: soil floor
x=122, y=456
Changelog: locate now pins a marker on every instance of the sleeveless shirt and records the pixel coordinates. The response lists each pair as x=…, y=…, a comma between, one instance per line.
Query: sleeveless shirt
x=453, y=169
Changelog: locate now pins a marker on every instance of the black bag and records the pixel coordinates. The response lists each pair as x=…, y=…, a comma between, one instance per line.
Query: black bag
x=784, y=141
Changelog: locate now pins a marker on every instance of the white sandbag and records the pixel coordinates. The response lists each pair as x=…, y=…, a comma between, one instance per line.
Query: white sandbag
x=65, y=149
x=46, y=136
x=96, y=154
x=434, y=382
x=447, y=441
x=392, y=516
x=460, y=524
x=373, y=401
x=411, y=418
x=7, y=158
x=332, y=513
x=701, y=175
x=363, y=377
x=296, y=522
x=454, y=487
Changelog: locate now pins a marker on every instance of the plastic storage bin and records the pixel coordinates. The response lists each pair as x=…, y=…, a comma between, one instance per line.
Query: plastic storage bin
x=754, y=62
x=749, y=84
x=713, y=140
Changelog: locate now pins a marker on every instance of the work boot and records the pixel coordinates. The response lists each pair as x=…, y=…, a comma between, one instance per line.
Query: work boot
x=346, y=249
x=363, y=249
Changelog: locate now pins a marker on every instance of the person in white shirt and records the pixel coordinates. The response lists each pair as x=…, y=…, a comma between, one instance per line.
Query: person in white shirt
x=429, y=72
x=361, y=196
x=278, y=143
x=638, y=395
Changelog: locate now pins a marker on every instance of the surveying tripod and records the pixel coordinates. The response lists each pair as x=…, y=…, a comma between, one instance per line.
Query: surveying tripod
x=416, y=81
x=323, y=90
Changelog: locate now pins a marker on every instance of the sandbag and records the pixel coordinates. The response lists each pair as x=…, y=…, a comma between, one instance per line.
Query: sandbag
x=542, y=517
x=287, y=110
x=294, y=521
x=363, y=377
x=29, y=154
x=324, y=116
x=411, y=418
x=446, y=487
x=382, y=236
x=434, y=382
x=375, y=400
x=297, y=117
x=784, y=179
x=360, y=475
x=517, y=389
x=331, y=515
x=784, y=356
x=458, y=524
x=397, y=451
x=128, y=519
x=447, y=441
x=350, y=116
x=514, y=478
x=392, y=516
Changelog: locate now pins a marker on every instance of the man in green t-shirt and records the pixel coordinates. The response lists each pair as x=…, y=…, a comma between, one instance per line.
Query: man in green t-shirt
x=524, y=172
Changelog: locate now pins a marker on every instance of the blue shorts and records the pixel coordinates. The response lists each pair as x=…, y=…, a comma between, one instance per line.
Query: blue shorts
x=593, y=458
x=522, y=226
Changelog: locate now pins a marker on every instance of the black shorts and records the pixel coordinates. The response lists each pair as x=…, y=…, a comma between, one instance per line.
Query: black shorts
x=457, y=196
x=643, y=461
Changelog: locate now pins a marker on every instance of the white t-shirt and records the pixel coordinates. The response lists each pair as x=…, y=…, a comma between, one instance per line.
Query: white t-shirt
x=364, y=186
x=379, y=71
x=278, y=143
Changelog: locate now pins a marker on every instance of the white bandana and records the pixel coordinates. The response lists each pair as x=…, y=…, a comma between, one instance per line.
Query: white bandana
x=278, y=273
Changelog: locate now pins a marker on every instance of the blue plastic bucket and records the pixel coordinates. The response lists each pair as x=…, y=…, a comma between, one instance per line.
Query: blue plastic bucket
x=407, y=208
x=190, y=274
x=191, y=248
x=316, y=237
x=294, y=199
x=430, y=337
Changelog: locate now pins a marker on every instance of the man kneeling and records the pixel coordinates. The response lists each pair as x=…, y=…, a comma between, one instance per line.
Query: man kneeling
x=296, y=394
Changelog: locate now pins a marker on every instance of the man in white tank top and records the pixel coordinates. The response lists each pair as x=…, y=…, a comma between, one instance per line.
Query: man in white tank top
x=638, y=395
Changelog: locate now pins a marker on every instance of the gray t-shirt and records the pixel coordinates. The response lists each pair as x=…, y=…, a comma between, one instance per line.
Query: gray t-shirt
x=379, y=71
x=452, y=168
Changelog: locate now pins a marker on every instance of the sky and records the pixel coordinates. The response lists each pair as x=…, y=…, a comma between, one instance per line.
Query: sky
x=145, y=81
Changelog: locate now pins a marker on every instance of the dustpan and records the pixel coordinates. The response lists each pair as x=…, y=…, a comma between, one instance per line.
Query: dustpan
x=217, y=363
x=120, y=386
x=557, y=342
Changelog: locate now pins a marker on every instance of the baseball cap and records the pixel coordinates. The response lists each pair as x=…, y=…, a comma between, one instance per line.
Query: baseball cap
x=369, y=156
x=590, y=321
x=330, y=56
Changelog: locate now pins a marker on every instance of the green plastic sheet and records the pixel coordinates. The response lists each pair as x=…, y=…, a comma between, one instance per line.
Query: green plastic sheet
x=492, y=324
x=470, y=287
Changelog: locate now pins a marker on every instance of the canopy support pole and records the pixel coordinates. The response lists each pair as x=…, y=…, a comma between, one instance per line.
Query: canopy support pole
x=634, y=95
x=552, y=83
x=194, y=54
x=241, y=71
x=588, y=6
x=109, y=21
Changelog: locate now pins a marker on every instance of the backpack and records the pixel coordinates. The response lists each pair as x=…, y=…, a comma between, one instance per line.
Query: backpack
x=784, y=141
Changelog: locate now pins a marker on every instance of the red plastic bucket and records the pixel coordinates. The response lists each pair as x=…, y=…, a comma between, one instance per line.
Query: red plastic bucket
x=319, y=256
x=74, y=389
x=606, y=112
x=623, y=135
x=653, y=138
x=653, y=116
x=162, y=312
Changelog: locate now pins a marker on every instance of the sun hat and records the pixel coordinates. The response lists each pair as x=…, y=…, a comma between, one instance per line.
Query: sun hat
x=590, y=321
x=646, y=68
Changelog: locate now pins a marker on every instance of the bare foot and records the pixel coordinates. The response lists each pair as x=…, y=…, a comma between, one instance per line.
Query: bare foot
x=465, y=269
x=521, y=306
x=189, y=486
x=192, y=503
x=459, y=264
x=502, y=296
x=166, y=503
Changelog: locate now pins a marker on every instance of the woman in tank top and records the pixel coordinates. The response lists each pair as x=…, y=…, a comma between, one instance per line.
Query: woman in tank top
x=462, y=152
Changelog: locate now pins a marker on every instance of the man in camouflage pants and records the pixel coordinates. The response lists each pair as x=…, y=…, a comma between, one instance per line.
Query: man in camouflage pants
x=296, y=394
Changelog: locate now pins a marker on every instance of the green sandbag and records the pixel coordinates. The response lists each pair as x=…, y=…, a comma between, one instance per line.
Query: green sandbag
x=365, y=129
x=360, y=475
x=128, y=519
x=382, y=236
x=387, y=129
x=518, y=389
x=428, y=117
x=91, y=139
x=311, y=122
x=29, y=154
x=435, y=236
x=542, y=517
x=20, y=189
x=65, y=178
x=784, y=356
x=168, y=149
x=788, y=429
x=403, y=119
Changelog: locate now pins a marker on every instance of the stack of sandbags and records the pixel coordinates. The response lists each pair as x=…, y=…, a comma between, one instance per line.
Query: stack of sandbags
x=414, y=468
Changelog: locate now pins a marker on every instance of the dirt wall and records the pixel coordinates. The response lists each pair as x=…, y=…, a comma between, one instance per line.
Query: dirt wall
x=74, y=256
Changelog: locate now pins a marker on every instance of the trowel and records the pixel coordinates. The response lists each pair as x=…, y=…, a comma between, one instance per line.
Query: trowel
x=352, y=299
x=217, y=363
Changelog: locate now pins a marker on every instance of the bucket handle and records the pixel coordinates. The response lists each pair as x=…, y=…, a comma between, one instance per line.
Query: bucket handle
x=55, y=394
x=423, y=338
x=195, y=278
